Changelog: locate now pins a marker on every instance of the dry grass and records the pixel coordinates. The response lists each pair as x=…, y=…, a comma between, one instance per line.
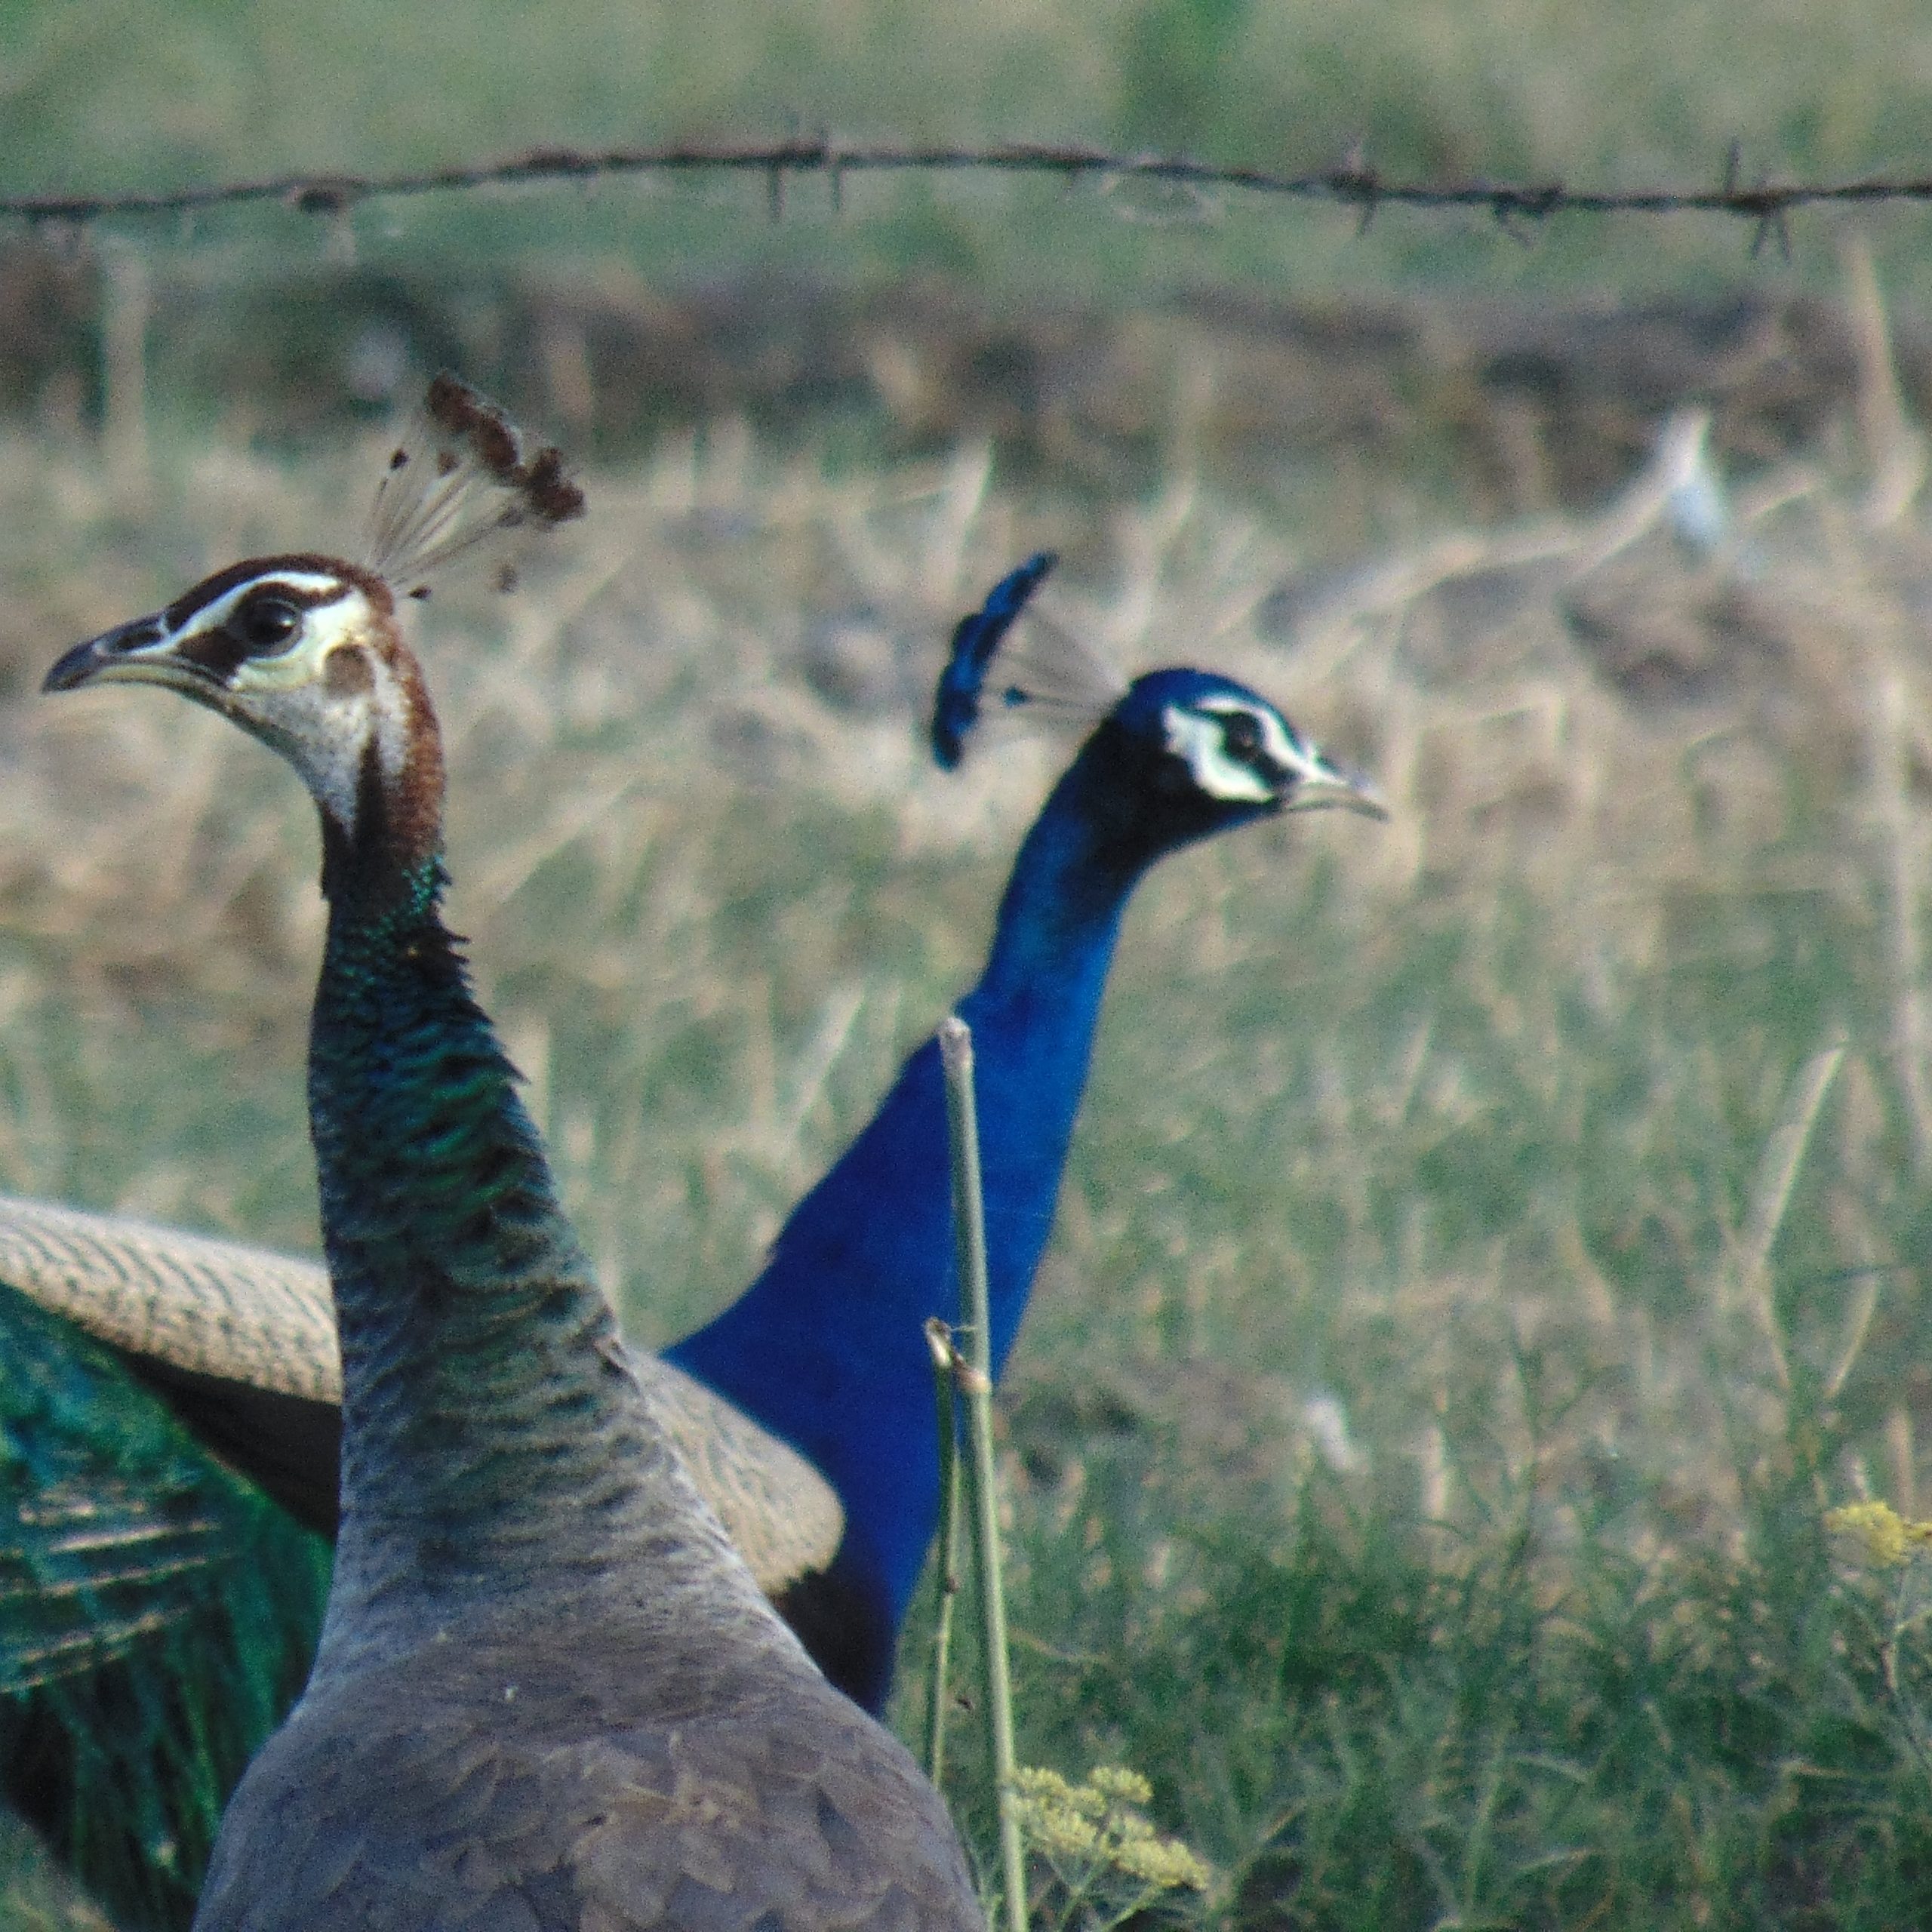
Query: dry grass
x=714, y=892
x=1556, y=1150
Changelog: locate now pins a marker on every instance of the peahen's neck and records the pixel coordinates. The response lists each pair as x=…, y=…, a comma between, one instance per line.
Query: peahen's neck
x=825, y=1349
x=498, y=1457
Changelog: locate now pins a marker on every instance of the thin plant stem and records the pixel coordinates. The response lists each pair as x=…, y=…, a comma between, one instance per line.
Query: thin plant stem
x=955, y=1046
x=939, y=1339
x=1745, y=1275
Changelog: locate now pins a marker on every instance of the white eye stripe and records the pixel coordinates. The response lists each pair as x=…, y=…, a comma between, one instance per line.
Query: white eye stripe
x=1276, y=744
x=300, y=584
x=323, y=629
x=1198, y=739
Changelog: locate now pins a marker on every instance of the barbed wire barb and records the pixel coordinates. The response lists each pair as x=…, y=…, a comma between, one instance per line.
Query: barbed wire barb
x=835, y=174
x=1353, y=183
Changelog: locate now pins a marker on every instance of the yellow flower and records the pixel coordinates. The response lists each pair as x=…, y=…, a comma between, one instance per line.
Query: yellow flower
x=1884, y=1538
x=1166, y=1863
x=1096, y=1823
x=1117, y=1783
x=1056, y=1817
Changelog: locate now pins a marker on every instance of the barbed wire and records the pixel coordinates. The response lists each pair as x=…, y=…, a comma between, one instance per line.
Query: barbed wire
x=1767, y=204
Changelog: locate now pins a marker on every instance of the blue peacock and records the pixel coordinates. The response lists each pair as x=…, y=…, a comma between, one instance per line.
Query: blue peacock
x=548, y=1691
x=825, y=1348
x=1174, y=758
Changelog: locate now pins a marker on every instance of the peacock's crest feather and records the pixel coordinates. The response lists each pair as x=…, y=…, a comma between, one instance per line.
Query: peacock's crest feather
x=1045, y=668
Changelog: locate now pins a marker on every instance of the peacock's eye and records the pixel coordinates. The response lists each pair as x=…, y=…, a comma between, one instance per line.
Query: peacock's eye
x=1240, y=733
x=268, y=624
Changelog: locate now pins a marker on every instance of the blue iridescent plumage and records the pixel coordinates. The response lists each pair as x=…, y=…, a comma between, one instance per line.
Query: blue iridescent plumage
x=976, y=637
x=825, y=1349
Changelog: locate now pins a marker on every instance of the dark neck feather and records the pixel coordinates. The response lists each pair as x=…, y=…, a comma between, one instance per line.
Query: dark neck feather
x=498, y=1457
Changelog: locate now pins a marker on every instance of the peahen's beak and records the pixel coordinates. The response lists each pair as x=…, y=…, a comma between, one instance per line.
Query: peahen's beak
x=138, y=652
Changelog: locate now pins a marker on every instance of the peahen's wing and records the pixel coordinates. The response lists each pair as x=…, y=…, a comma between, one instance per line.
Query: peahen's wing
x=241, y=1342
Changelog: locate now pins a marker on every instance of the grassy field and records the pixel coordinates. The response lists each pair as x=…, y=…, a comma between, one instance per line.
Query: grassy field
x=1492, y=1242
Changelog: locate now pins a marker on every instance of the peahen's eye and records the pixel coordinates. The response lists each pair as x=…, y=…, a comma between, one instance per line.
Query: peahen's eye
x=1240, y=734
x=268, y=624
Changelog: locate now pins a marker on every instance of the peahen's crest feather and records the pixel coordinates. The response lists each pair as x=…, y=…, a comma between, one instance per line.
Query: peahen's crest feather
x=458, y=478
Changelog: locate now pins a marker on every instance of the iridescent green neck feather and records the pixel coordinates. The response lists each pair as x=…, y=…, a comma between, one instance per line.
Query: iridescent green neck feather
x=498, y=1456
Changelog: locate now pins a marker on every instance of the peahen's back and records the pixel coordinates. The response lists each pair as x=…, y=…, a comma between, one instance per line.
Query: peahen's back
x=796, y=1812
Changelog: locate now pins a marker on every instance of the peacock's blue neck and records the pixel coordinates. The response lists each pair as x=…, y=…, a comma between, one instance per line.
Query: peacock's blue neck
x=497, y=1458
x=825, y=1348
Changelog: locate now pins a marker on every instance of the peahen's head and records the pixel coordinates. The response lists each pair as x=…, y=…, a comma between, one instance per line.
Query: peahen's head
x=305, y=651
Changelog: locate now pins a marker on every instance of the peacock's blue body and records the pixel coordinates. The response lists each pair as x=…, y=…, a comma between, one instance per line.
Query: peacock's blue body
x=825, y=1348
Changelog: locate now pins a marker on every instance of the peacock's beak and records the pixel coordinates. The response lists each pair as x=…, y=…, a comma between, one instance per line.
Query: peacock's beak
x=138, y=653
x=1325, y=784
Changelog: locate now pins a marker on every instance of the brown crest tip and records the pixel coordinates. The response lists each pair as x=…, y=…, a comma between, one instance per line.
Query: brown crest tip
x=553, y=498
x=471, y=419
x=467, y=417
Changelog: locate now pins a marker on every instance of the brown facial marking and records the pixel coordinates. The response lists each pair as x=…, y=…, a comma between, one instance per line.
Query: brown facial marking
x=346, y=672
x=221, y=651
x=415, y=803
x=397, y=817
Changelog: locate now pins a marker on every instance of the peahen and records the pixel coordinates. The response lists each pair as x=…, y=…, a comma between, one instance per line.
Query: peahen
x=548, y=1693
x=157, y=1614
x=1180, y=755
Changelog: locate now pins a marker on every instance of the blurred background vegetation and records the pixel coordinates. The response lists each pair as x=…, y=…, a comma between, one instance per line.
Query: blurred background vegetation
x=1493, y=1239
x=639, y=301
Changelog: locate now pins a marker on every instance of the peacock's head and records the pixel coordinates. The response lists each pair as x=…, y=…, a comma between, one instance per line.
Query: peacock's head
x=1209, y=753
x=1177, y=754
x=305, y=652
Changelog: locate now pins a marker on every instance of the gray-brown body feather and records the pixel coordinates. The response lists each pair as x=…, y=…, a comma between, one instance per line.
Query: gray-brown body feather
x=385, y=1806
